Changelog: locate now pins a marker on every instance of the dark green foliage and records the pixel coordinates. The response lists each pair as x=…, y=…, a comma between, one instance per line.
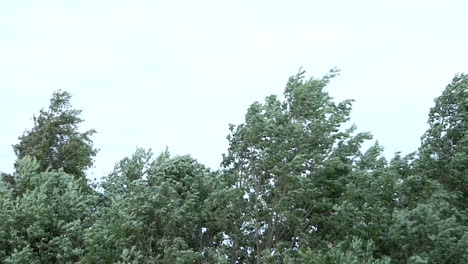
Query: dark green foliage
x=353, y=252
x=7, y=179
x=55, y=141
x=432, y=231
x=289, y=161
x=444, y=148
x=155, y=212
x=408, y=217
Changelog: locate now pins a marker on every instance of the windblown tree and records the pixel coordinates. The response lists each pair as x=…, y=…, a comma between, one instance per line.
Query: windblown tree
x=155, y=212
x=407, y=217
x=414, y=209
x=45, y=223
x=444, y=149
x=289, y=160
x=55, y=141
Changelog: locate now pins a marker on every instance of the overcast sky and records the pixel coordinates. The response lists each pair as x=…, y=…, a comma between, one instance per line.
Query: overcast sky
x=175, y=73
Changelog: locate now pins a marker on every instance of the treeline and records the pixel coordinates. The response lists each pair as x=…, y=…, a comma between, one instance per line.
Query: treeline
x=294, y=187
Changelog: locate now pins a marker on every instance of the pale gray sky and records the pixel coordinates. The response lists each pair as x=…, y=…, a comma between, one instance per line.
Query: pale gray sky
x=175, y=73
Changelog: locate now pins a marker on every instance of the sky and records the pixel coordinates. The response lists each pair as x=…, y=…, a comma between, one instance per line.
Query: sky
x=157, y=74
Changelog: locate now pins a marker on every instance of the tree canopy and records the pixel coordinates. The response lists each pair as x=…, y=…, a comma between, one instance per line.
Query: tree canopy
x=55, y=141
x=295, y=186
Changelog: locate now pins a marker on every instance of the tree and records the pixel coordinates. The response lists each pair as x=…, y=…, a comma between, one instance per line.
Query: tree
x=55, y=141
x=444, y=148
x=289, y=160
x=408, y=217
x=46, y=222
x=433, y=231
x=155, y=211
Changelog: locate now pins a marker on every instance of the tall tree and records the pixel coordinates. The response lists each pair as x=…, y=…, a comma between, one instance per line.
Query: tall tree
x=55, y=141
x=288, y=160
x=444, y=148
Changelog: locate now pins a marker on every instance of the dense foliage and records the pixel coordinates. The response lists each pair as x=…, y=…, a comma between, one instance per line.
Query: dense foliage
x=55, y=141
x=294, y=187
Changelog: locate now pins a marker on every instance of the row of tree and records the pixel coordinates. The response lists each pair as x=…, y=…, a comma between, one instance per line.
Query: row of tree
x=294, y=187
